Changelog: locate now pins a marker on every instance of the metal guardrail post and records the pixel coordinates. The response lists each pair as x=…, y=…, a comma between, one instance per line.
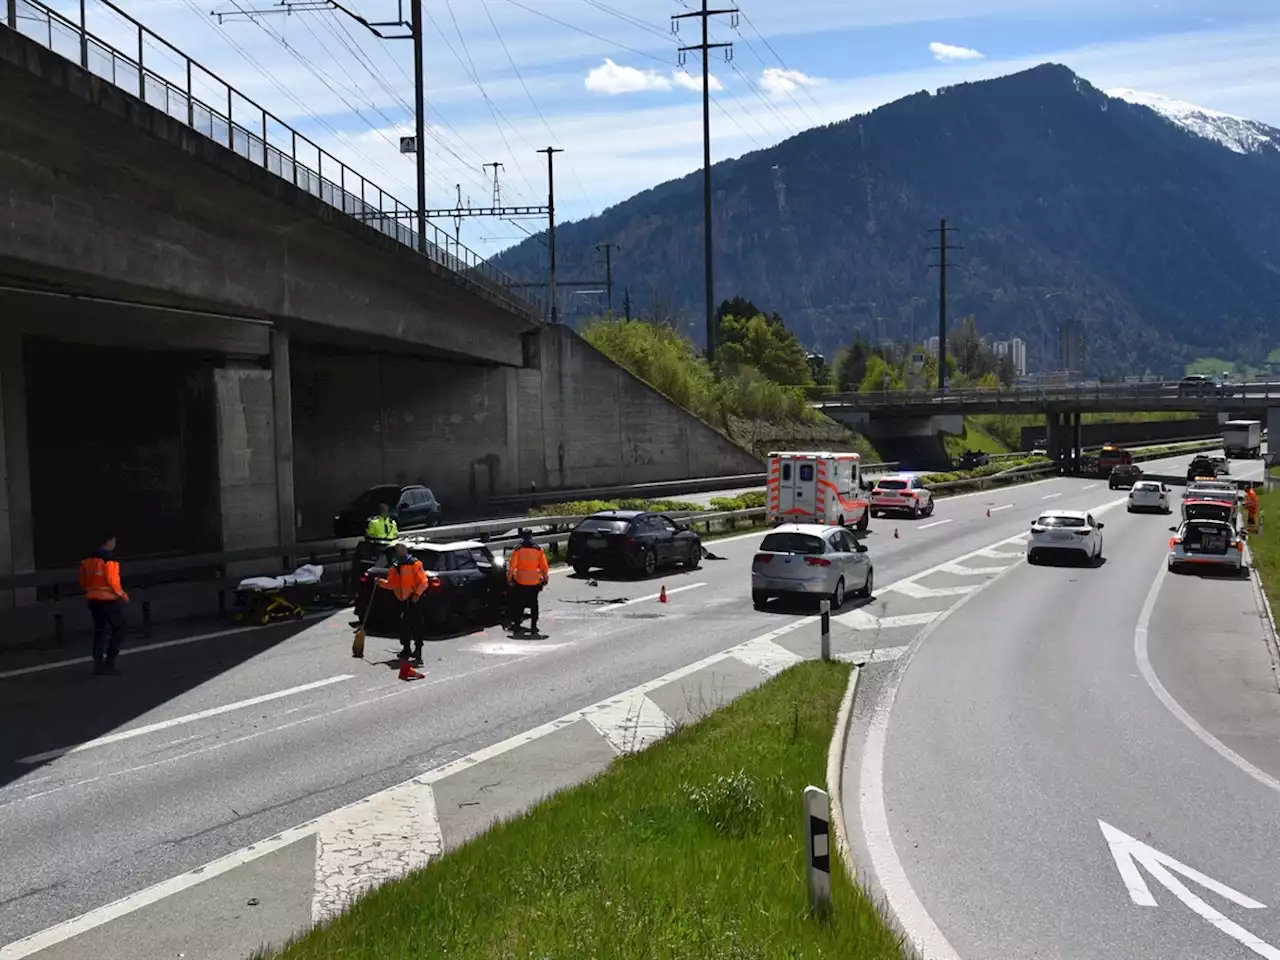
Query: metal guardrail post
x=142, y=69
x=13, y=14
x=84, y=37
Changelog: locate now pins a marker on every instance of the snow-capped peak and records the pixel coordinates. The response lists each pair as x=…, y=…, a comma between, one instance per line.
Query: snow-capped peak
x=1239, y=134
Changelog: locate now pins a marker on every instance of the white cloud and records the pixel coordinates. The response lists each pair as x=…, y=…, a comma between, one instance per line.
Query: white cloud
x=948, y=53
x=778, y=82
x=613, y=78
x=693, y=81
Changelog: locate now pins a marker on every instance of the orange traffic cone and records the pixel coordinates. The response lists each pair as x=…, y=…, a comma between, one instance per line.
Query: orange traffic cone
x=407, y=672
x=662, y=596
x=895, y=533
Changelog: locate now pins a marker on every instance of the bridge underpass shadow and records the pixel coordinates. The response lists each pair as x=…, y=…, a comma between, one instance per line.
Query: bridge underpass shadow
x=53, y=709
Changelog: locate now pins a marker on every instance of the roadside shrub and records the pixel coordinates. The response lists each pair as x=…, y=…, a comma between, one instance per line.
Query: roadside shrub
x=581, y=508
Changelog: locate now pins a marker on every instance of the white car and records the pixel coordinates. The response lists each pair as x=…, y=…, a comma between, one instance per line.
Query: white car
x=1205, y=542
x=1065, y=533
x=901, y=493
x=811, y=559
x=1149, y=495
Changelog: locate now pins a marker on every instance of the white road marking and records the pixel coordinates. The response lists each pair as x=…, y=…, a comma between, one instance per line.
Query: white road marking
x=631, y=722
x=921, y=592
x=1128, y=853
x=513, y=649
x=178, y=721
x=1050, y=496
x=770, y=657
x=373, y=841
x=862, y=620
x=1149, y=675
x=1003, y=506
x=149, y=647
x=651, y=596
x=960, y=570
x=1089, y=487
x=878, y=655
x=936, y=523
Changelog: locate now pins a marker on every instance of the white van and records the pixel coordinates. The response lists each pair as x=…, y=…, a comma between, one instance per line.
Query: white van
x=817, y=487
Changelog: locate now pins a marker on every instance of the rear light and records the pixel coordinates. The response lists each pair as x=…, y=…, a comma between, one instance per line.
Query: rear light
x=762, y=558
x=1174, y=541
x=817, y=561
x=435, y=583
x=364, y=577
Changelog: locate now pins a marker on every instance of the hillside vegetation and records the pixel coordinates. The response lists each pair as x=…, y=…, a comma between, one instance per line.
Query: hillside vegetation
x=1068, y=204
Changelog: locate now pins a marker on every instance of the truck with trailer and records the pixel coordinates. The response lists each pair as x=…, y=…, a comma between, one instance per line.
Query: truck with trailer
x=1242, y=439
x=817, y=487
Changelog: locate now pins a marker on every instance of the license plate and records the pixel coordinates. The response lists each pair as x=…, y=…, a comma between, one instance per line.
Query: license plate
x=596, y=543
x=1062, y=536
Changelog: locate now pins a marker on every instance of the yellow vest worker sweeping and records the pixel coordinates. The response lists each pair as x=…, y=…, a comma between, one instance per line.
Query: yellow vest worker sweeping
x=527, y=573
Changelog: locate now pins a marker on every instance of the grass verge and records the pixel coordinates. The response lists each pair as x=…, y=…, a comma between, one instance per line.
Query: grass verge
x=691, y=850
x=1265, y=546
x=974, y=438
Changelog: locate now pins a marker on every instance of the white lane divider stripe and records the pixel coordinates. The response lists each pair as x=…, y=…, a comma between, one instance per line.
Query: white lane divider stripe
x=1050, y=496
x=1089, y=487
x=178, y=721
x=653, y=596
x=1003, y=506
x=936, y=523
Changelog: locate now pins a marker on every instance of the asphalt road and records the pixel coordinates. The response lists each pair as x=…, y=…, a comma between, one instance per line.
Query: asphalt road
x=204, y=748
x=1053, y=702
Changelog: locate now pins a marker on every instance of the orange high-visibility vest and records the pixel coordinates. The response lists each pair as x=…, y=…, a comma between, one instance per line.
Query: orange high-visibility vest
x=528, y=567
x=100, y=579
x=406, y=578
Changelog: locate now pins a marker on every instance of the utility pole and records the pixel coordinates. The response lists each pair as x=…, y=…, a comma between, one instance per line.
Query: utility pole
x=497, y=193
x=412, y=144
x=626, y=302
x=551, y=224
x=608, y=249
x=942, y=248
x=705, y=47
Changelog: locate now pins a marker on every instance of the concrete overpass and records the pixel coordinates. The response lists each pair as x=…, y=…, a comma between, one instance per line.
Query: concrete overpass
x=928, y=412
x=206, y=344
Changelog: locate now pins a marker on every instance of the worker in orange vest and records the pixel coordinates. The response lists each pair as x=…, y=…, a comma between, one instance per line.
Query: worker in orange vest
x=1251, y=505
x=100, y=581
x=407, y=579
x=527, y=573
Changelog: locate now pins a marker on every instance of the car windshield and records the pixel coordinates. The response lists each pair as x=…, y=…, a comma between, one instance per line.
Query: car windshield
x=892, y=484
x=603, y=525
x=802, y=543
x=1061, y=521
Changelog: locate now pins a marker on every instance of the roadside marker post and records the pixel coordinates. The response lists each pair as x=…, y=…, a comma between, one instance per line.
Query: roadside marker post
x=817, y=829
x=826, y=629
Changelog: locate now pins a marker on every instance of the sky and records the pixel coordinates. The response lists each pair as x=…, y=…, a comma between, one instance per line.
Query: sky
x=603, y=79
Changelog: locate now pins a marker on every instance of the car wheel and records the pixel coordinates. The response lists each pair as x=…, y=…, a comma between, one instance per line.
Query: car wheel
x=759, y=599
x=695, y=556
x=864, y=521
x=932, y=504
x=874, y=513
x=650, y=563
x=1130, y=509
x=581, y=569
x=837, y=595
x=1033, y=557
x=869, y=586
x=915, y=510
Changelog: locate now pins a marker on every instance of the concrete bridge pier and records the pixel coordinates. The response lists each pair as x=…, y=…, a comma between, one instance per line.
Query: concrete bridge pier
x=1065, y=445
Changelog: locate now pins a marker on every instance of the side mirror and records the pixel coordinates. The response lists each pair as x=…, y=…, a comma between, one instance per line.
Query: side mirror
x=1173, y=529
x=860, y=547
x=1101, y=525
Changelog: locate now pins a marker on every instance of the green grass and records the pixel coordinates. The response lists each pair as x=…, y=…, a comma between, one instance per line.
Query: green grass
x=691, y=850
x=1214, y=366
x=1265, y=546
x=974, y=438
x=582, y=508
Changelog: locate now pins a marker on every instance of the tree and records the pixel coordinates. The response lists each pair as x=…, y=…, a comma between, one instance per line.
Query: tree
x=819, y=370
x=1007, y=372
x=737, y=307
x=880, y=376
x=851, y=367
x=764, y=344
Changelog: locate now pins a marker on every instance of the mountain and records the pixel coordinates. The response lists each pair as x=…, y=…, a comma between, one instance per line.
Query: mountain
x=1140, y=219
x=1235, y=133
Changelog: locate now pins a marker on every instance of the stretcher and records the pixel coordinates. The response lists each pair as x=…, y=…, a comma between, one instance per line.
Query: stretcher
x=266, y=599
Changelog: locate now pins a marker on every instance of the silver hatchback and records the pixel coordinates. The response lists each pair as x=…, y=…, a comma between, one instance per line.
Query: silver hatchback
x=811, y=559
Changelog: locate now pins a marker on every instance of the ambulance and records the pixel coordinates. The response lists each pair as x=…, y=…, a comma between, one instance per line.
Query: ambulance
x=821, y=488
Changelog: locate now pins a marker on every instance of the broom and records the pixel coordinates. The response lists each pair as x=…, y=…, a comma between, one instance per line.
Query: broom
x=357, y=642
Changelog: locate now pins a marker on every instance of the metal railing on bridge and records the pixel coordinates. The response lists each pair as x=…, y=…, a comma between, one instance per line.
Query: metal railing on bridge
x=1167, y=391
x=187, y=91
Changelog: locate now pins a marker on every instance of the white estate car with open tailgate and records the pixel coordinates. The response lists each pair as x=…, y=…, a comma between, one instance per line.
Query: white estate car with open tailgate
x=1065, y=533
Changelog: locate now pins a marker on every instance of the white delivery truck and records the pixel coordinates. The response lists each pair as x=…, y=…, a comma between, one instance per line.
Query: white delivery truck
x=1242, y=439
x=817, y=487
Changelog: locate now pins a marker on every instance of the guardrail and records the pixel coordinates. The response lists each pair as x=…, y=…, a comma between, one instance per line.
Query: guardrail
x=189, y=94
x=1163, y=389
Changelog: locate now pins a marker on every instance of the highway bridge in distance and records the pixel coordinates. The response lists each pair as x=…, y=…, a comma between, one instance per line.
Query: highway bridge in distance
x=1252, y=397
